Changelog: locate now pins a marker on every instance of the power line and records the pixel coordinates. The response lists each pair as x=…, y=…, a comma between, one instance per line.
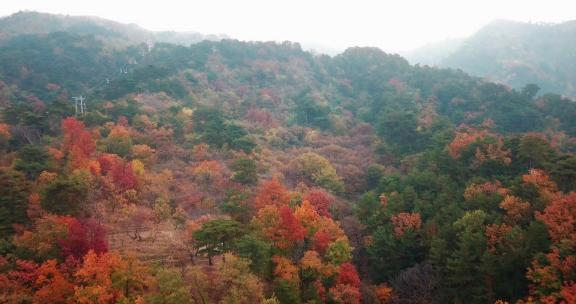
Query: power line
x=79, y=101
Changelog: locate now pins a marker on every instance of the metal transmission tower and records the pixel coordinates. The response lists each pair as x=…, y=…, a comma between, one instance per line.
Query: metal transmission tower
x=79, y=102
x=82, y=105
x=149, y=45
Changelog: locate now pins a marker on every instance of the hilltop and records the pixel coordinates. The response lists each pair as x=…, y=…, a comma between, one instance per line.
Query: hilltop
x=116, y=33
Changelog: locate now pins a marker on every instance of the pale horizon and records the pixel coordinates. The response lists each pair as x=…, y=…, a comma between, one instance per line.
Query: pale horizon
x=323, y=25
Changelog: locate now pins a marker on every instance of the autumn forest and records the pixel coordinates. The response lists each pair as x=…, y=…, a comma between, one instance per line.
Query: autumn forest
x=257, y=172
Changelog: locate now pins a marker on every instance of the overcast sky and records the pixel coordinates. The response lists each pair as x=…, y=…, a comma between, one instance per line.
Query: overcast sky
x=391, y=25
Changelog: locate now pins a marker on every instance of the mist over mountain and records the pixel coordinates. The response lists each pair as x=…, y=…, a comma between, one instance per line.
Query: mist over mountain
x=513, y=53
x=433, y=53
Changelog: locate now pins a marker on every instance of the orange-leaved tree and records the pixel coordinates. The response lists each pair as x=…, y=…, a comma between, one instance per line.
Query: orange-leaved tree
x=78, y=143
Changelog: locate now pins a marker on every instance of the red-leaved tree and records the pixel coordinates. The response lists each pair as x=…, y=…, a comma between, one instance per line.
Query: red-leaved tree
x=320, y=199
x=83, y=236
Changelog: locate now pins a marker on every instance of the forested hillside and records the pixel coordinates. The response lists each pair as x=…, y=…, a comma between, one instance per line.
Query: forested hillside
x=254, y=172
x=114, y=33
x=513, y=53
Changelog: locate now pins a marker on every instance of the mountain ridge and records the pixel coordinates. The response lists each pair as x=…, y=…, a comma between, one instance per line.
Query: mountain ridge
x=32, y=22
x=513, y=53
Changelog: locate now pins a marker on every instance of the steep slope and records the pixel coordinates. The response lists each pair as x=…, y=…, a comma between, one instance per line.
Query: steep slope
x=365, y=81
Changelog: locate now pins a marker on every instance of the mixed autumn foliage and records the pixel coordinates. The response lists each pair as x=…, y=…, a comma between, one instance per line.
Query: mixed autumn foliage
x=234, y=172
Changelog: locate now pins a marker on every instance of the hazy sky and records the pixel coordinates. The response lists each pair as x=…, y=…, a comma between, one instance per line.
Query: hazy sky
x=391, y=25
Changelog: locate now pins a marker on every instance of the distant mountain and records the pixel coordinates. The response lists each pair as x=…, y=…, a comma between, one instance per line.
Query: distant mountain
x=513, y=53
x=29, y=22
x=433, y=53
